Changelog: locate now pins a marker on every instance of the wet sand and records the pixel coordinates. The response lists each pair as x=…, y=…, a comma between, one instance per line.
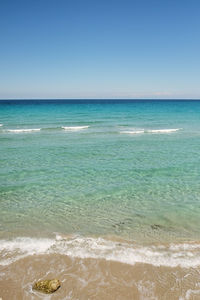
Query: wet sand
x=98, y=279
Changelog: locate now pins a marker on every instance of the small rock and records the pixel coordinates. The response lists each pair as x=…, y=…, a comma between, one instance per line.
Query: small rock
x=47, y=286
x=157, y=226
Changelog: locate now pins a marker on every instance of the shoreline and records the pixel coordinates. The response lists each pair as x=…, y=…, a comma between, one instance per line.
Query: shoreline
x=111, y=215
x=97, y=279
x=111, y=248
x=90, y=268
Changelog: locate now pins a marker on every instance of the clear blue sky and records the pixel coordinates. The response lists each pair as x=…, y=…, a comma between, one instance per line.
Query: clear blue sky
x=99, y=49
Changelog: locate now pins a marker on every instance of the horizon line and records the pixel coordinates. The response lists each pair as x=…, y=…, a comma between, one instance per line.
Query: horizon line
x=102, y=99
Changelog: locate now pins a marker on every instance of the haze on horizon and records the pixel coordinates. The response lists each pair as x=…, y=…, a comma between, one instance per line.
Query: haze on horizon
x=99, y=49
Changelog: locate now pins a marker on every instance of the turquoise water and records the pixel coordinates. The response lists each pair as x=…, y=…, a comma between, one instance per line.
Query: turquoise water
x=113, y=173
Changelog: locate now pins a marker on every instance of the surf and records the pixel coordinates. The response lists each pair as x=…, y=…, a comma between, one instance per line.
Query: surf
x=23, y=130
x=185, y=255
x=74, y=128
x=154, y=131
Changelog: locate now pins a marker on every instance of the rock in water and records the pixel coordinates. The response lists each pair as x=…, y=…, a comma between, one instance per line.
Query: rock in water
x=47, y=286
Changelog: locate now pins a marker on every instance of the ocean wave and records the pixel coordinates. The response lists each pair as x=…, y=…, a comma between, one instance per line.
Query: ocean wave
x=1, y=125
x=163, y=130
x=184, y=255
x=158, y=131
x=74, y=128
x=132, y=131
x=22, y=130
x=51, y=128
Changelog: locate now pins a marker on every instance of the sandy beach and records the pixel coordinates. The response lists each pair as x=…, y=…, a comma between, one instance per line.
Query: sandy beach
x=86, y=279
x=98, y=269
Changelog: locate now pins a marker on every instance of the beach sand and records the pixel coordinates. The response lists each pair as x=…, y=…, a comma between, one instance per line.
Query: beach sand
x=97, y=279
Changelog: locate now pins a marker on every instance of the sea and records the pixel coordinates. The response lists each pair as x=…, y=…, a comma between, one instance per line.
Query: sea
x=103, y=195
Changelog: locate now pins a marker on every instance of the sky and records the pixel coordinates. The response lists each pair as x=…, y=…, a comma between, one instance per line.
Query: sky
x=139, y=49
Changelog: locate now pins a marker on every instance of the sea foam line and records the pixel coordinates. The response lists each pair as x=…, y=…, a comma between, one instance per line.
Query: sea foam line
x=151, y=131
x=74, y=128
x=163, y=130
x=184, y=255
x=133, y=131
x=22, y=130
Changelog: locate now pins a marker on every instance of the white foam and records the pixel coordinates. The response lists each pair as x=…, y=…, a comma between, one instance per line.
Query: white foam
x=23, y=130
x=1, y=125
x=98, y=248
x=13, y=250
x=162, y=130
x=192, y=293
x=74, y=128
x=158, y=131
x=133, y=131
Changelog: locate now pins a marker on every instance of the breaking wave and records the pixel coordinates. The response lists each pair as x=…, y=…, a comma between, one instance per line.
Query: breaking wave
x=158, y=131
x=74, y=128
x=184, y=255
x=133, y=131
x=163, y=130
x=22, y=130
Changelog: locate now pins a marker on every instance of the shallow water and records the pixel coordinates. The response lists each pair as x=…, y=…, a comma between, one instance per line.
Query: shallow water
x=112, y=170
